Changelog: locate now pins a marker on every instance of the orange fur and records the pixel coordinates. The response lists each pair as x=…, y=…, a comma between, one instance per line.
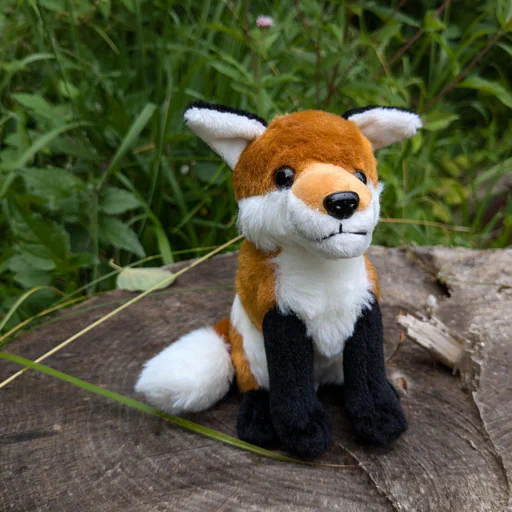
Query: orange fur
x=298, y=140
x=255, y=282
x=222, y=328
x=372, y=276
x=255, y=285
x=244, y=377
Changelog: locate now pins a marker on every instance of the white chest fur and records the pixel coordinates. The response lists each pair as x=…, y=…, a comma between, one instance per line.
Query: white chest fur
x=327, y=295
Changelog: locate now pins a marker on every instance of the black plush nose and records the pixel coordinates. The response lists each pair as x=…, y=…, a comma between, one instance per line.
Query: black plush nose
x=341, y=205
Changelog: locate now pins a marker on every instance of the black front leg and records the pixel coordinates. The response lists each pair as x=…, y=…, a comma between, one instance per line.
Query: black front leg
x=254, y=423
x=299, y=419
x=372, y=403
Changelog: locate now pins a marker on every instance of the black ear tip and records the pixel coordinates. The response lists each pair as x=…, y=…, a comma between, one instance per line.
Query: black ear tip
x=201, y=105
x=358, y=110
x=204, y=105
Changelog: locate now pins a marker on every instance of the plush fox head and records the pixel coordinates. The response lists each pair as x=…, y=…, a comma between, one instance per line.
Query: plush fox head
x=307, y=179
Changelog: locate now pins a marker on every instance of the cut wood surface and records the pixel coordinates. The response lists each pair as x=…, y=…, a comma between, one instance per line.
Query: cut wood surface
x=436, y=338
x=64, y=449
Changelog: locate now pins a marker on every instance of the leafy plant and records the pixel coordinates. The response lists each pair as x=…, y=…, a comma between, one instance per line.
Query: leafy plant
x=95, y=162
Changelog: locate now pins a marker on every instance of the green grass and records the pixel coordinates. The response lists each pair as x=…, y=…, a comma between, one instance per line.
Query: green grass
x=95, y=162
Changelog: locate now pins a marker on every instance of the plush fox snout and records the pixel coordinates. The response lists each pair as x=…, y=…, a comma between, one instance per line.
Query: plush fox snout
x=332, y=190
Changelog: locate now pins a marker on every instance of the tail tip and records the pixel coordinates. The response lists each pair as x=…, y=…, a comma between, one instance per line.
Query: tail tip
x=190, y=375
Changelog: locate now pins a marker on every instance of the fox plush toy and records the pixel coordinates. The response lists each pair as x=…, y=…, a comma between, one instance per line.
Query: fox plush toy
x=306, y=310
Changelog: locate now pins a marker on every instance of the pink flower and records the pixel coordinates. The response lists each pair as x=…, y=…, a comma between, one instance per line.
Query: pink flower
x=264, y=22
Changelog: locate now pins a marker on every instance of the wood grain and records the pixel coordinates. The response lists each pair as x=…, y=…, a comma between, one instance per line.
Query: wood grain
x=64, y=449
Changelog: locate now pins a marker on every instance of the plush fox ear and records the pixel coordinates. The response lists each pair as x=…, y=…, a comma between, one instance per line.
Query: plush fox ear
x=226, y=130
x=383, y=126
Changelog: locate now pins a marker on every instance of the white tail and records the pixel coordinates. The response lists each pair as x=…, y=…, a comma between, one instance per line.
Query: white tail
x=190, y=375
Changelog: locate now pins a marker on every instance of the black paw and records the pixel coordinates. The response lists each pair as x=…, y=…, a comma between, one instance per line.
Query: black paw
x=254, y=423
x=308, y=434
x=380, y=422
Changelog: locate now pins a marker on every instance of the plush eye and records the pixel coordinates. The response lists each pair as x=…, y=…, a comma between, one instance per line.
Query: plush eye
x=360, y=175
x=284, y=177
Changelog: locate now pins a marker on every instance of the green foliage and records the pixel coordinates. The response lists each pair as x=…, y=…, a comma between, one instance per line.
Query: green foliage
x=95, y=162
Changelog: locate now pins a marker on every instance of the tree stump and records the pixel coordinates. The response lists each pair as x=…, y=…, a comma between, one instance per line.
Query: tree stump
x=63, y=448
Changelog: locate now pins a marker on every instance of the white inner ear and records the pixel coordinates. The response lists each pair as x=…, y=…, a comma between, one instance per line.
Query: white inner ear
x=226, y=133
x=385, y=126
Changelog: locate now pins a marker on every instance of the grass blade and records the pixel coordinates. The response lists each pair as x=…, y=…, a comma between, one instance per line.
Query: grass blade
x=22, y=299
x=129, y=140
x=164, y=246
x=431, y=223
x=4, y=337
x=83, y=310
x=175, y=420
x=135, y=404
